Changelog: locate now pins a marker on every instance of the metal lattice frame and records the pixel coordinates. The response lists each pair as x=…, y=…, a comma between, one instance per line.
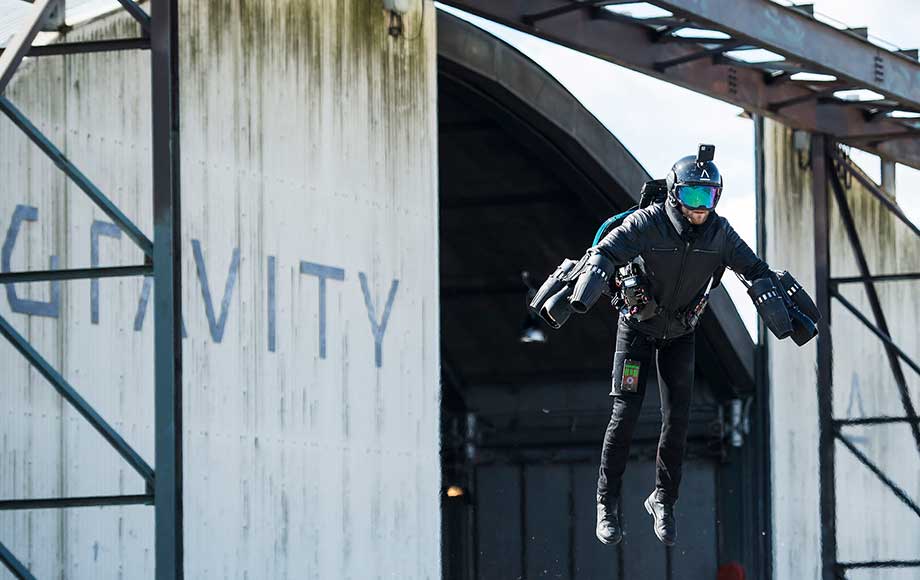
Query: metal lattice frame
x=674, y=49
x=162, y=261
x=830, y=164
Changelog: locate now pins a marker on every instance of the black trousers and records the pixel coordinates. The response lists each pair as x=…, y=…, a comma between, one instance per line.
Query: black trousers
x=635, y=353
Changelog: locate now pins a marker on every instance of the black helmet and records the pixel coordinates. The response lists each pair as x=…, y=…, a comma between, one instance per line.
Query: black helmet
x=695, y=182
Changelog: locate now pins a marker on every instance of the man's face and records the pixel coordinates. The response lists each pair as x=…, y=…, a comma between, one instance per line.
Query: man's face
x=695, y=216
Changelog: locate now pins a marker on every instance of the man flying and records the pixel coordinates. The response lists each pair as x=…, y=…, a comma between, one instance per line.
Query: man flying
x=661, y=263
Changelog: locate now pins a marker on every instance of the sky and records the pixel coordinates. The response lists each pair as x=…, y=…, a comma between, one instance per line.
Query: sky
x=619, y=97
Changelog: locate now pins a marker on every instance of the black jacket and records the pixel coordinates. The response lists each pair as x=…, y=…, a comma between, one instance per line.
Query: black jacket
x=679, y=260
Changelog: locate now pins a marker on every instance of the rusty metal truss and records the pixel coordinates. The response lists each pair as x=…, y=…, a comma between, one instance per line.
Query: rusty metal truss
x=680, y=48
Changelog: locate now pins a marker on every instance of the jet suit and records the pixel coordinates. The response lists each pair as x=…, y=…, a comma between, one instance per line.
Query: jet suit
x=663, y=267
x=681, y=261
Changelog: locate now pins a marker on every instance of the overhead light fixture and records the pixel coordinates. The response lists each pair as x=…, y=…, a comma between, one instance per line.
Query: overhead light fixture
x=755, y=56
x=859, y=95
x=812, y=77
x=455, y=491
x=639, y=10
x=702, y=33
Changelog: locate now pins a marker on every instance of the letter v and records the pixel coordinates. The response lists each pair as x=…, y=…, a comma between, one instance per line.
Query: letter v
x=217, y=326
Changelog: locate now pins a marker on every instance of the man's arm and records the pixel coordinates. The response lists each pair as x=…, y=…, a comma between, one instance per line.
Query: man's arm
x=624, y=242
x=738, y=256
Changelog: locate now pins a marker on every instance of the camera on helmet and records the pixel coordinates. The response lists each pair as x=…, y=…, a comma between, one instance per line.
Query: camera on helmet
x=705, y=153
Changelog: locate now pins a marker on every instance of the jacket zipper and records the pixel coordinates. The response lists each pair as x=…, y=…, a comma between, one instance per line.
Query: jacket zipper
x=680, y=278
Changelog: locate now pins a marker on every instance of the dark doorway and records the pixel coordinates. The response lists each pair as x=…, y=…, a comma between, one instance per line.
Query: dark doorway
x=524, y=184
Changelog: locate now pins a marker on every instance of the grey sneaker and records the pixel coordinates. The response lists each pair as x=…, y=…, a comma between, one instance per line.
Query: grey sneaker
x=608, y=529
x=665, y=527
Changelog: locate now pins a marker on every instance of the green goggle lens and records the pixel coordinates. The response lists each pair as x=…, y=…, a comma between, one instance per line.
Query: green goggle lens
x=698, y=196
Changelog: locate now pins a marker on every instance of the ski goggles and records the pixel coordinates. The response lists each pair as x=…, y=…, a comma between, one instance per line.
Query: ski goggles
x=698, y=196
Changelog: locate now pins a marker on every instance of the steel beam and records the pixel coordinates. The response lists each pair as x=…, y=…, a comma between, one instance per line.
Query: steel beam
x=557, y=11
x=74, y=274
x=804, y=39
x=777, y=106
x=13, y=565
x=630, y=43
x=71, y=395
x=881, y=335
x=167, y=281
x=90, y=46
x=761, y=495
x=887, y=481
x=138, y=13
x=75, y=502
x=722, y=48
x=876, y=278
x=880, y=195
x=19, y=45
x=826, y=450
x=83, y=182
x=880, y=564
x=875, y=304
x=875, y=421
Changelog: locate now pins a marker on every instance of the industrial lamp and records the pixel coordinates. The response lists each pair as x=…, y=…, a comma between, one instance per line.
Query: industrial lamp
x=396, y=9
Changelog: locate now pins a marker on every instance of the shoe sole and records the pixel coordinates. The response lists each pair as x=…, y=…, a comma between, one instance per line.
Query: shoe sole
x=609, y=542
x=648, y=508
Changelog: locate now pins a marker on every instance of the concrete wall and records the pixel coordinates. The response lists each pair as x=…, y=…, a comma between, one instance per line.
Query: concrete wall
x=872, y=523
x=308, y=152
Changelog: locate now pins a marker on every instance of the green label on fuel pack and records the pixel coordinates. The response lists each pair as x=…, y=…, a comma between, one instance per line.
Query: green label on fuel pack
x=630, y=376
